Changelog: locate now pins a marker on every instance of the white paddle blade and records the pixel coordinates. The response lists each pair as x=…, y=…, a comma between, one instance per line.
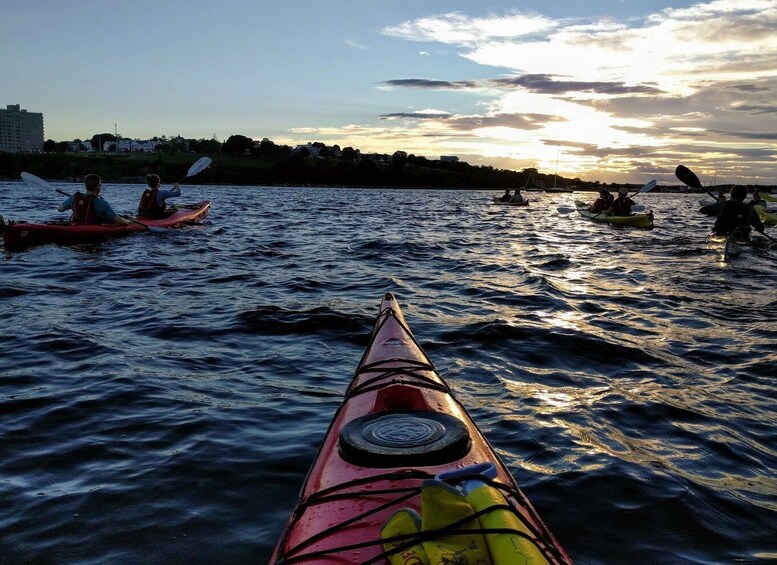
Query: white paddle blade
x=199, y=166
x=36, y=182
x=648, y=186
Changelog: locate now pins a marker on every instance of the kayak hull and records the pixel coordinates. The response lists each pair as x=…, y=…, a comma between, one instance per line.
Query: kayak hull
x=345, y=499
x=634, y=220
x=524, y=202
x=23, y=234
x=731, y=247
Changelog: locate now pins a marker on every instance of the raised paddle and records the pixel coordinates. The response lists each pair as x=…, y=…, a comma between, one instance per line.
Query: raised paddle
x=38, y=182
x=199, y=165
x=647, y=187
x=690, y=179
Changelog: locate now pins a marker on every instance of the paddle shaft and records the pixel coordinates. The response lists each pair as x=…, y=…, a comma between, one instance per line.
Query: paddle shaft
x=767, y=236
x=715, y=197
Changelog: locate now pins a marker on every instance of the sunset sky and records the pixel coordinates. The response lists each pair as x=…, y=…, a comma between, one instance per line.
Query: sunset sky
x=617, y=91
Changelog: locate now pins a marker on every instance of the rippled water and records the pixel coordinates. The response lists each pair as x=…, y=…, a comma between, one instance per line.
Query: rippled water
x=163, y=395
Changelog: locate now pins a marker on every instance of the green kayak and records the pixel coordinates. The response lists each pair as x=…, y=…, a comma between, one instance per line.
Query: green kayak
x=767, y=216
x=634, y=220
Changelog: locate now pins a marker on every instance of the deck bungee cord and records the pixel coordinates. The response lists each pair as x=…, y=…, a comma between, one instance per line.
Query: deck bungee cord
x=403, y=469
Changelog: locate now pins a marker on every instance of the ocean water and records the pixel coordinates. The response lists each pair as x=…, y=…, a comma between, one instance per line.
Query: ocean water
x=162, y=396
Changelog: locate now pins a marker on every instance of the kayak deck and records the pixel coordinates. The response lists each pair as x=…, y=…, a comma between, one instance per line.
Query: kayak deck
x=24, y=234
x=379, y=449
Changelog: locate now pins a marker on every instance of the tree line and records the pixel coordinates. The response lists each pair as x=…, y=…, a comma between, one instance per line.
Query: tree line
x=242, y=160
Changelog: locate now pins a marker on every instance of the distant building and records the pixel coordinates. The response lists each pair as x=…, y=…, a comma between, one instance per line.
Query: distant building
x=76, y=146
x=313, y=150
x=125, y=145
x=20, y=131
x=449, y=159
x=79, y=146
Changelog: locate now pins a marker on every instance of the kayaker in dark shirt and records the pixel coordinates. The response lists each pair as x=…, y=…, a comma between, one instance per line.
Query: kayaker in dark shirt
x=153, y=201
x=604, y=201
x=91, y=208
x=505, y=196
x=737, y=217
x=621, y=206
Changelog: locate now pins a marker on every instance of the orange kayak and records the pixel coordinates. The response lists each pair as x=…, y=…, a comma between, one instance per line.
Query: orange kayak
x=401, y=450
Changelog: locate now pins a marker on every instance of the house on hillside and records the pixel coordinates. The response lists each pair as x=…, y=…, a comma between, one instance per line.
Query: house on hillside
x=125, y=145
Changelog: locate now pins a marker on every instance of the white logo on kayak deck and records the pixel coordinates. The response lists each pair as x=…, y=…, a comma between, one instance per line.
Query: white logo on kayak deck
x=393, y=341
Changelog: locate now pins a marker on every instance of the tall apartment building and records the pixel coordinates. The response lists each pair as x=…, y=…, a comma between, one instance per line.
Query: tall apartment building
x=20, y=131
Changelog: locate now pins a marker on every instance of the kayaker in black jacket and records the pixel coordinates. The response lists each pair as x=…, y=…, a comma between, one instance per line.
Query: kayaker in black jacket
x=505, y=196
x=737, y=217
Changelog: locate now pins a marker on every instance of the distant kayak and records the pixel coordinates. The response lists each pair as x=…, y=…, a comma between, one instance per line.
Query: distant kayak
x=767, y=216
x=634, y=220
x=24, y=234
x=524, y=202
x=402, y=468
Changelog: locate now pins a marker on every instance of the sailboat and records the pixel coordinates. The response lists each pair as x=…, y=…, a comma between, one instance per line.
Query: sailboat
x=555, y=181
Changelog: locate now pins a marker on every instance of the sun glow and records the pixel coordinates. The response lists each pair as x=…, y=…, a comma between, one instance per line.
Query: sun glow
x=607, y=91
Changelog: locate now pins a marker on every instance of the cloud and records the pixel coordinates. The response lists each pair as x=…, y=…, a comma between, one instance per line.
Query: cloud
x=756, y=109
x=459, y=29
x=431, y=84
x=356, y=45
x=419, y=115
x=547, y=84
x=518, y=121
x=460, y=123
x=771, y=136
